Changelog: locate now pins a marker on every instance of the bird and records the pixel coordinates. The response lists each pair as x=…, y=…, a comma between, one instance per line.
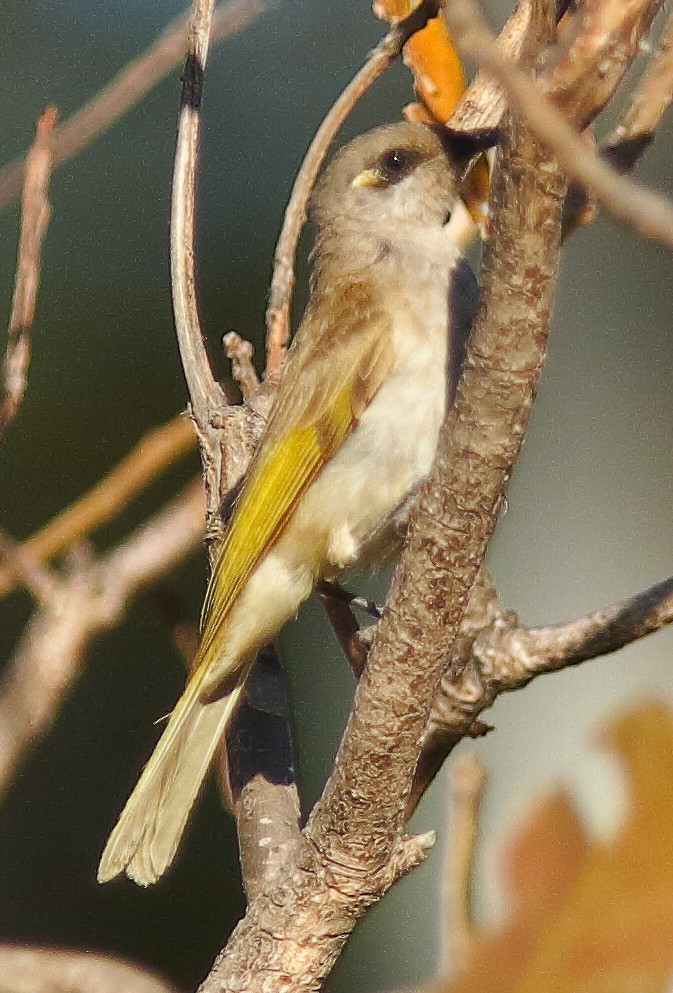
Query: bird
x=352, y=432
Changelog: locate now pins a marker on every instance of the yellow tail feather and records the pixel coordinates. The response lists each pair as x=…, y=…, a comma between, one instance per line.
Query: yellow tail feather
x=146, y=836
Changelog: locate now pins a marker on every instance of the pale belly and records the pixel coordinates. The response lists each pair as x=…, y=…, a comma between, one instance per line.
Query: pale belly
x=389, y=452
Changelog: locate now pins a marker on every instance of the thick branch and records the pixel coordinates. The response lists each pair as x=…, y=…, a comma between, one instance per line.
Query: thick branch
x=262, y=786
x=648, y=213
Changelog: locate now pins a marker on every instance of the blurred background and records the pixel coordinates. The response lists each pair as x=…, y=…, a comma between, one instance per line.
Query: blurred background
x=588, y=519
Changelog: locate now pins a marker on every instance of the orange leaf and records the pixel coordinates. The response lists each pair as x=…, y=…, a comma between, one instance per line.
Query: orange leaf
x=590, y=918
x=432, y=58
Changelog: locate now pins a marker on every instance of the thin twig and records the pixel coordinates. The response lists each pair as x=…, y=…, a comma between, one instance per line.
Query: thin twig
x=282, y=282
x=650, y=214
x=128, y=87
x=240, y=352
x=345, y=626
x=467, y=782
x=206, y=396
x=35, y=215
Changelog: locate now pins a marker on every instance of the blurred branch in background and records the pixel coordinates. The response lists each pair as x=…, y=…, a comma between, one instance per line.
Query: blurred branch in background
x=35, y=215
x=134, y=82
x=648, y=103
x=45, y=970
x=91, y=597
x=156, y=452
x=467, y=783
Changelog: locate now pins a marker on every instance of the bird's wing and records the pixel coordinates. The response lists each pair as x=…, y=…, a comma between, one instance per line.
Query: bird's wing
x=329, y=380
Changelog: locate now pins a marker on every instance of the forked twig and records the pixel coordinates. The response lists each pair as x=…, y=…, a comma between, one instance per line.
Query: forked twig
x=91, y=598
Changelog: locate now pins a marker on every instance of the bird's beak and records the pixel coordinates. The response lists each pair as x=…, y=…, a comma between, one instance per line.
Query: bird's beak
x=367, y=178
x=462, y=147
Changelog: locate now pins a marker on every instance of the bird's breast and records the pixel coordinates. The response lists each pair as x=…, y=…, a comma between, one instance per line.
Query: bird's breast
x=391, y=448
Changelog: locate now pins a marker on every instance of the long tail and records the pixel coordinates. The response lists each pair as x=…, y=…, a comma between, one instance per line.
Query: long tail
x=146, y=836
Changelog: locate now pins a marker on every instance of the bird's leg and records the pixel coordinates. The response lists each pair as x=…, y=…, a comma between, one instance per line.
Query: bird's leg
x=326, y=587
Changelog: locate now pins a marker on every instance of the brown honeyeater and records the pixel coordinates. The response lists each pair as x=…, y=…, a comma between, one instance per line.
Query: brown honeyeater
x=353, y=429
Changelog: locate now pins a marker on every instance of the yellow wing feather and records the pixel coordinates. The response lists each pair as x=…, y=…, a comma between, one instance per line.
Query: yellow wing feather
x=286, y=467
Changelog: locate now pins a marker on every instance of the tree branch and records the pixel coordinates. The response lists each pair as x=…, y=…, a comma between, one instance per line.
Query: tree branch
x=128, y=87
x=648, y=213
x=206, y=397
x=512, y=655
x=648, y=105
x=35, y=215
x=240, y=352
x=498, y=655
x=153, y=454
x=257, y=759
x=467, y=782
x=262, y=786
x=91, y=599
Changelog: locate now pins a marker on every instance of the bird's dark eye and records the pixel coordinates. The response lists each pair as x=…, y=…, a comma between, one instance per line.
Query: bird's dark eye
x=395, y=165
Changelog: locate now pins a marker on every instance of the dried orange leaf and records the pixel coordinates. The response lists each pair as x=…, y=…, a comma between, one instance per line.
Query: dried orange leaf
x=595, y=918
x=431, y=56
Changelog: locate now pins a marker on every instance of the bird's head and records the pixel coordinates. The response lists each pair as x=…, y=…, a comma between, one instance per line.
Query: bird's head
x=394, y=176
